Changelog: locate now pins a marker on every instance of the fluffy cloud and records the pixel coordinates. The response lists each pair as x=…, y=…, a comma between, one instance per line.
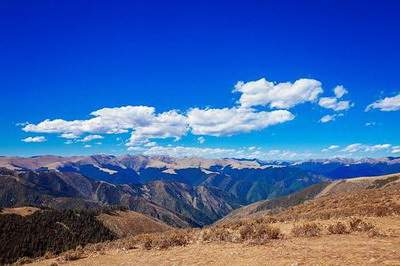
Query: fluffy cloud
x=329, y=118
x=370, y=124
x=142, y=121
x=333, y=102
x=340, y=91
x=331, y=148
x=145, y=125
x=69, y=136
x=247, y=153
x=359, y=147
x=387, y=104
x=165, y=125
x=34, y=139
x=278, y=95
x=105, y=121
x=91, y=137
x=396, y=149
x=230, y=121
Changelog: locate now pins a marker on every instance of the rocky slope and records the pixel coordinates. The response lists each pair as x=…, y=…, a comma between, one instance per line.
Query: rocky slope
x=177, y=204
x=352, y=186
x=247, y=180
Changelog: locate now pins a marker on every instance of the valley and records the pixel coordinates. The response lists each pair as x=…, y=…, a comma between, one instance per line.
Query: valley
x=335, y=227
x=144, y=218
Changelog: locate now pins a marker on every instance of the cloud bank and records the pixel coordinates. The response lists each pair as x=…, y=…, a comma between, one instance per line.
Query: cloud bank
x=387, y=104
x=262, y=104
x=278, y=95
x=34, y=139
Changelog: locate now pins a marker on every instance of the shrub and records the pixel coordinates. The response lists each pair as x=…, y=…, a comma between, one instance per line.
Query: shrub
x=148, y=244
x=307, y=230
x=266, y=232
x=375, y=233
x=23, y=260
x=216, y=234
x=358, y=225
x=246, y=232
x=162, y=241
x=337, y=228
x=74, y=254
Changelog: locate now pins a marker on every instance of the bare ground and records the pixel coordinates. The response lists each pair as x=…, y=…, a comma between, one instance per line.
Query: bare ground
x=327, y=249
x=323, y=231
x=23, y=211
x=324, y=250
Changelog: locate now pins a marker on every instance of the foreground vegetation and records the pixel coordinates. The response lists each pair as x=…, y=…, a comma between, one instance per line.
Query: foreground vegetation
x=341, y=214
x=361, y=213
x=48, y=231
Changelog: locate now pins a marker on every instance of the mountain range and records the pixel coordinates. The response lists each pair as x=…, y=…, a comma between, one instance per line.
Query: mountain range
x=182, y=192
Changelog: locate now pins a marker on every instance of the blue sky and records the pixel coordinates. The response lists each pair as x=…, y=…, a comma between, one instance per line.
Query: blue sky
x=182, y=60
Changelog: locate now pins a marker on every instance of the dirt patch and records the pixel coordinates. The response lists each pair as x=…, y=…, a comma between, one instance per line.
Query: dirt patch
x=23, y=211
x=128, y=223
x=325, y=250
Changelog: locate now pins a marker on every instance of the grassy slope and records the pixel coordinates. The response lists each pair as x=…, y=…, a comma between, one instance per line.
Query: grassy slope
x=247, y=241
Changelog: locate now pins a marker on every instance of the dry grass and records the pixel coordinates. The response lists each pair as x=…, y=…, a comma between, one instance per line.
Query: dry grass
x=365, y=203
x=72, y=255
x=338, y=228
x=23, y=211
x=358, y=225
x=128, y=223
x=323, y=217
x=306, y=230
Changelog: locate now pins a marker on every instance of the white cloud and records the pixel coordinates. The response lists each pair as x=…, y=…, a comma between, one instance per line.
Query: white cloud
x=331, y=148
x=170, y=124
x=340, y=91
x=201, y=140
x=379, y=147
x=247, y=153
x=387, y=104
x=353, y=148
x=87, y=146
x=396, y=149
x=370, y=124
x=145, y=125
x=142, y=121
x=333, y=102
x=230, y=121
x=359, y=147
x=278, y=95
x=150, y=144
x=69, y=136
x=90, y=138
x=105, y=121
x=329, y=118
x=37, y=139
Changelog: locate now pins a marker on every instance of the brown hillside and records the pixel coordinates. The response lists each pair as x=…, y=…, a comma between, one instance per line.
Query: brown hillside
x=344, y=228
x=128, y=223
x=322, y=190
